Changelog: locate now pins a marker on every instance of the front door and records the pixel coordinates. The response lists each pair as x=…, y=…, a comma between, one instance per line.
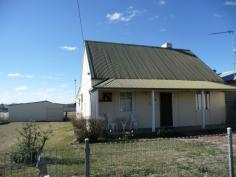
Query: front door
x=166, y=109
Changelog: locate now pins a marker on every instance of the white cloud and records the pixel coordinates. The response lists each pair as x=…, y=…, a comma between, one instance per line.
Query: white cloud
x=22, y=88
x=50, y=90
x=126, y=16
x=14, y=75
x=162, y=2
x=115, y=16
x=230, y=2
x=20, y=75
x=69, y=48
x=64, y=86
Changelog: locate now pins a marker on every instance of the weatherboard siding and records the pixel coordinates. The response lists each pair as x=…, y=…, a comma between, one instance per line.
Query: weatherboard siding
x=141, y=105
x=183, y=108
x=85, y=86
x=217, y=108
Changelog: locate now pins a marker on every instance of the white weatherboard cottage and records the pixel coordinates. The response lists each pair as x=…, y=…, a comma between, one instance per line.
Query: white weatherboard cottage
x=151, y=87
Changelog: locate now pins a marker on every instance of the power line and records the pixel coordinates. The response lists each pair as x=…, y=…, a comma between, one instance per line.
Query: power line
x=80, y=19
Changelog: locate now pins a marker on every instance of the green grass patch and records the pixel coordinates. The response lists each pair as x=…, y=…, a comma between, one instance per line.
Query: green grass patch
x=159, y=157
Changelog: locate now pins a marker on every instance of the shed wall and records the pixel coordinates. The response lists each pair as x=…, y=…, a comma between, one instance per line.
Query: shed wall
x=36, y=112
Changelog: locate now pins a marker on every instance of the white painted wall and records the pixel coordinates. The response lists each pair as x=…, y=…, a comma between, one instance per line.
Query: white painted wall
x=184, y=109
x=95, y=104
x=186, y=114
x=40, y=111
x=141, y=105
x=84, y=107
x=217, y=109
x=183, y=105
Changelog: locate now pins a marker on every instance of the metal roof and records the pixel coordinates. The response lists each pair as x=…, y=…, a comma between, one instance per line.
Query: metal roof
x=128, y=61
x=228, y=76
x=163, y=84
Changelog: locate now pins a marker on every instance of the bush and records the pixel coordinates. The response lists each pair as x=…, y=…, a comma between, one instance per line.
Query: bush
x=30, y=143
x=89, y=128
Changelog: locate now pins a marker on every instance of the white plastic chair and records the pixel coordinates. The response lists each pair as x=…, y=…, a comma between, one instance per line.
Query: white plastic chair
x=124, y=123
x=133, y=121
x=110, y=123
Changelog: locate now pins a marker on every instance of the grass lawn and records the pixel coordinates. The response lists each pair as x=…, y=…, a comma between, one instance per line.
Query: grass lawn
x=62, y=134
x=144, y=157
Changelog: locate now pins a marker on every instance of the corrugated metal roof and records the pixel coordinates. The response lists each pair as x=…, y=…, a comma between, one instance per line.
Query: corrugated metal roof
x=163, y=84
x=126, y=61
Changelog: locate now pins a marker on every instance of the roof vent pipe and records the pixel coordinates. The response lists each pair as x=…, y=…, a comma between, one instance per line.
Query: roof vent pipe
x=166, y=45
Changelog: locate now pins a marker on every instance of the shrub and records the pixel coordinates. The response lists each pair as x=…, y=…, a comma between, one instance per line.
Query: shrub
x=30, y=143
x=127, y=135
x=89, y=128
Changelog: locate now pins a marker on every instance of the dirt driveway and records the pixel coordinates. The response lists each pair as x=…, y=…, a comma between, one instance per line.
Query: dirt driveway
x=220, y=139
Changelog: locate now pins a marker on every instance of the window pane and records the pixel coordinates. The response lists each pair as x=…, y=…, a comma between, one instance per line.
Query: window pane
x=199, y=101
x=105, y=97
x=207, y=99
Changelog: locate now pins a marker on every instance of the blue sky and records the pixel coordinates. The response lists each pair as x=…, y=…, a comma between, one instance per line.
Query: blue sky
x=41, y=44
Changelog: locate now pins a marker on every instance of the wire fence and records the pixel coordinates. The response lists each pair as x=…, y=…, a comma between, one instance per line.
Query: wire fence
x=159, y=157
x=206, y=155
x=56, y=162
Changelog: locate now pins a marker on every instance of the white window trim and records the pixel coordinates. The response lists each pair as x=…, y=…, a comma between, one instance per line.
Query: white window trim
x=198, y=101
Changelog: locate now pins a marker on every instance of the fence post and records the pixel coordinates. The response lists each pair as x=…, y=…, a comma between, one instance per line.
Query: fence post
x=87, y=153
x=230, y=152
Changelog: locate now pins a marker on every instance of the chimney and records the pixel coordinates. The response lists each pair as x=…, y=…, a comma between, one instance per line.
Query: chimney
x=166, y=45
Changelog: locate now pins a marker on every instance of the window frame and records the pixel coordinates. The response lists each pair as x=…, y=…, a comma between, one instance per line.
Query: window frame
x=198, y=101
x=101, y=97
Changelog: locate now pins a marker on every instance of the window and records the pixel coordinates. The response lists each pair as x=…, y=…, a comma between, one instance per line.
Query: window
x=207, y=100
x=125, y=102
x=105, y=97
x=199, y=102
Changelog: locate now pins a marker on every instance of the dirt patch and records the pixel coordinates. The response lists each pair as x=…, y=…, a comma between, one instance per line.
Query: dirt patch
x=220, y=139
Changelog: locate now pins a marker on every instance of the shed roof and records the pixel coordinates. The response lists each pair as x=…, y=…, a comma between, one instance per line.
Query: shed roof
x=163, y=84
x=127, y=61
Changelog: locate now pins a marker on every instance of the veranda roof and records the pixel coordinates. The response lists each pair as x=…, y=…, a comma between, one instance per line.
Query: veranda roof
x=163, y=84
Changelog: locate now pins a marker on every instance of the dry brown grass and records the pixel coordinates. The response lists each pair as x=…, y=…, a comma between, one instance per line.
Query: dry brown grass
x=62, y=134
